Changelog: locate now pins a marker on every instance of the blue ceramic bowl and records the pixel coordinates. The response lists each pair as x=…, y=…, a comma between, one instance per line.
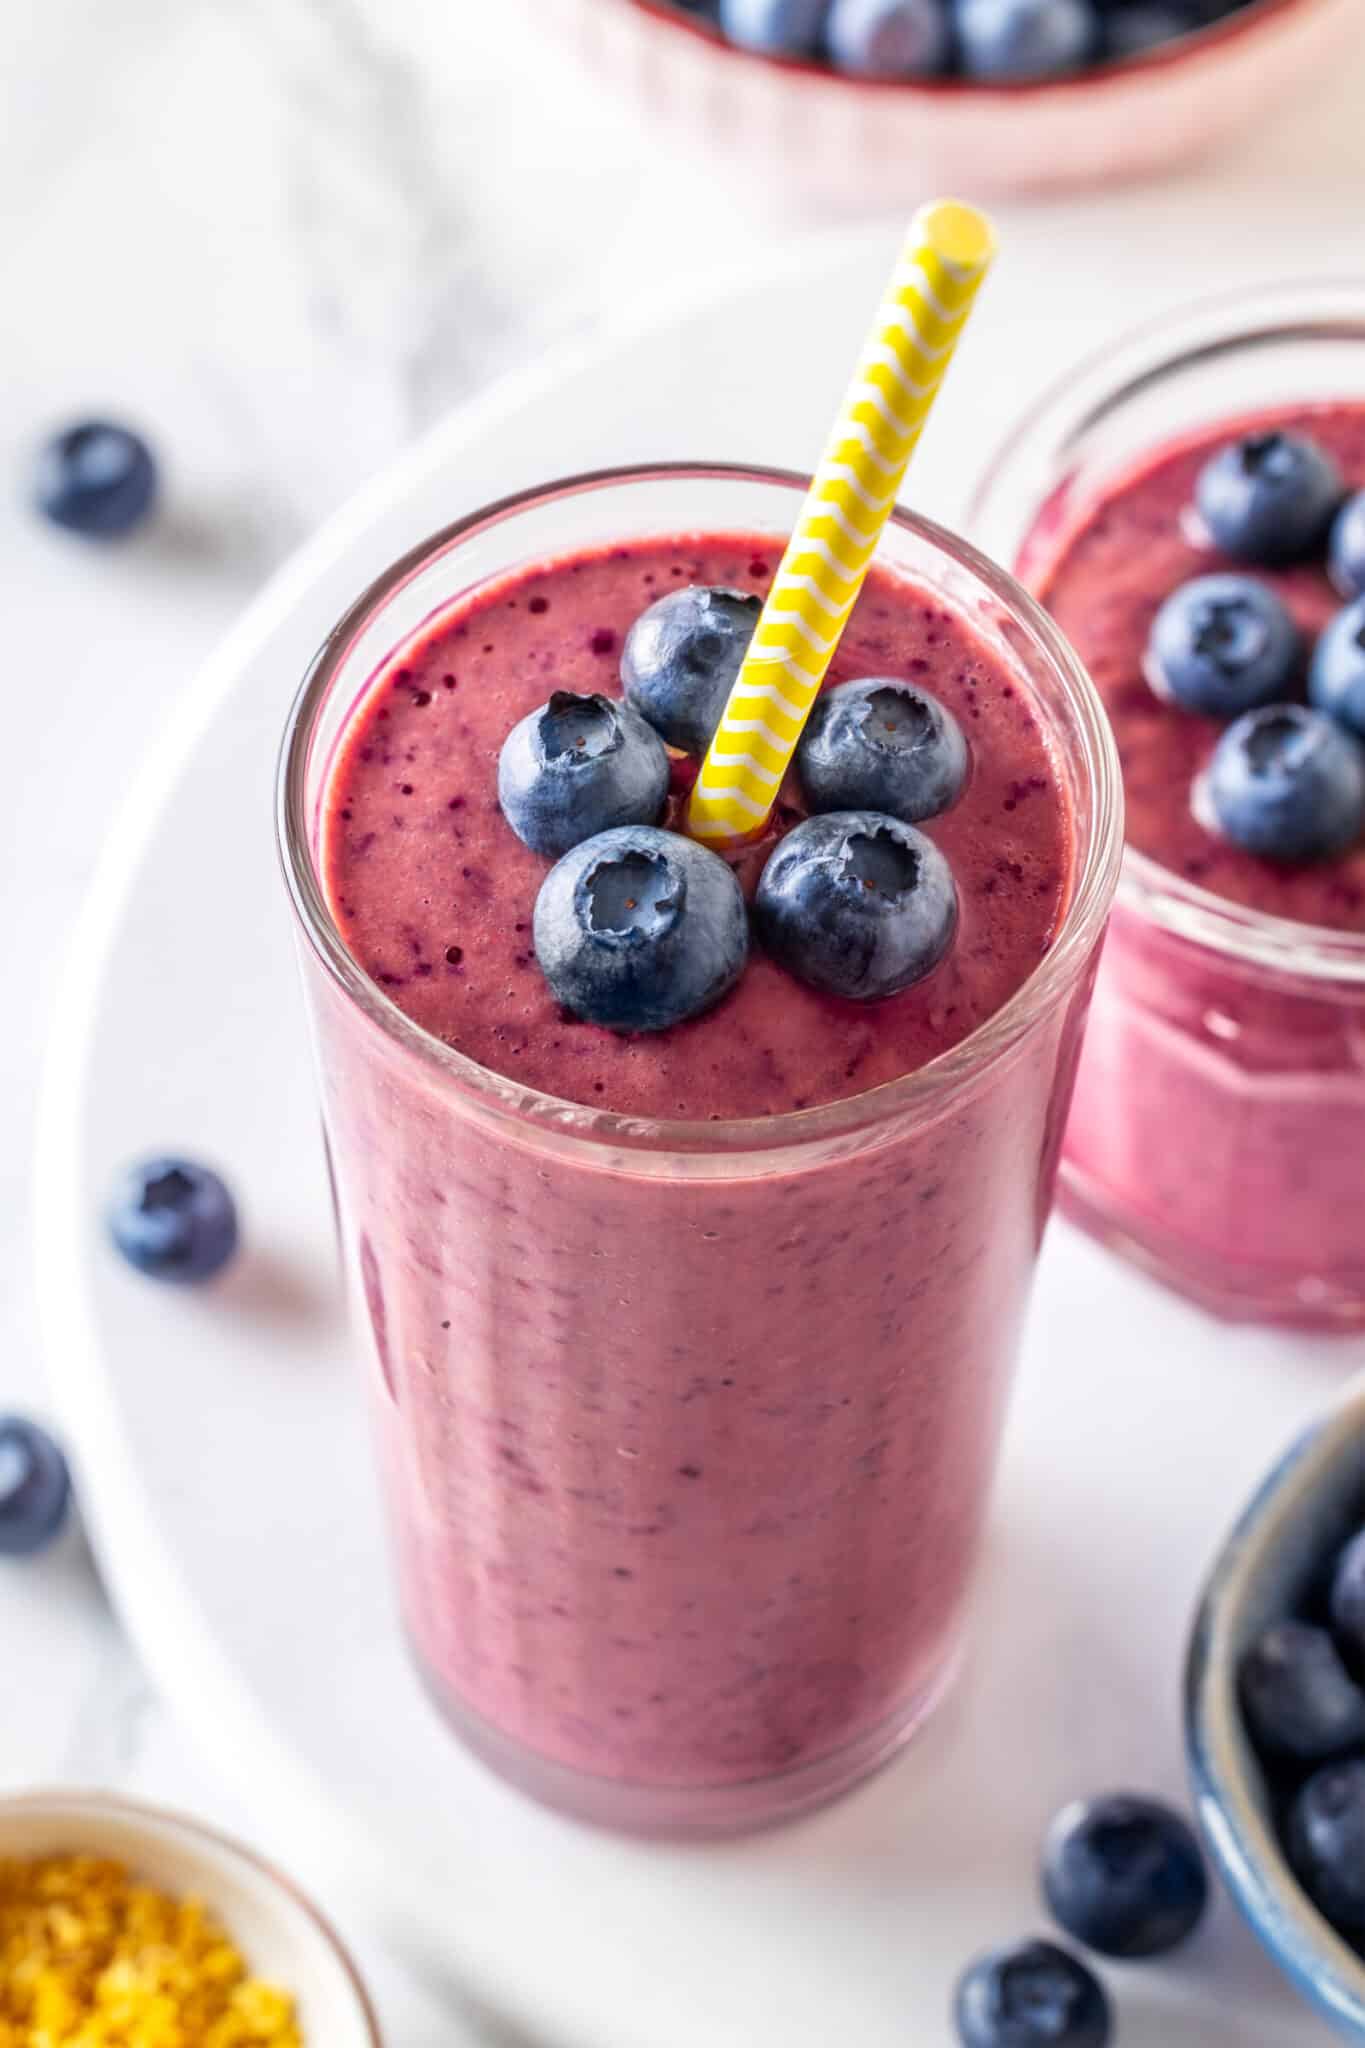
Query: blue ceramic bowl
x=1312, y=1501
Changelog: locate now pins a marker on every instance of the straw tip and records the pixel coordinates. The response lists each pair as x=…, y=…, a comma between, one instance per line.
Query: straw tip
x=957, y=232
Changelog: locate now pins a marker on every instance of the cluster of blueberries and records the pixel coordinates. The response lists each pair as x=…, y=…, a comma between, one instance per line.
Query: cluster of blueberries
x=1122, y=1876
x=1302, y=1688
x=990, y=40
x=1287, y=779
x=637, y=927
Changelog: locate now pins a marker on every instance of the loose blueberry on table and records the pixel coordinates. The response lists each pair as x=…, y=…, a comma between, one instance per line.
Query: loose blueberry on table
x=96, y=478
x=990, y=41
x=1031, y=1995
x=1303, y=1704
x=638, y=928
x=1124, y=1875
x=173, y=1220
x=35, y=1488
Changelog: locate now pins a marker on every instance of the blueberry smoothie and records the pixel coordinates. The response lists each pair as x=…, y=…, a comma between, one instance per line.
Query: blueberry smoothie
x=1221, y=1109
x=692, y=1339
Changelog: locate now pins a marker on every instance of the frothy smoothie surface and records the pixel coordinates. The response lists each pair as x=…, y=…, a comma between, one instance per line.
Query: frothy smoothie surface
x=433, y=892
x=1104, y=582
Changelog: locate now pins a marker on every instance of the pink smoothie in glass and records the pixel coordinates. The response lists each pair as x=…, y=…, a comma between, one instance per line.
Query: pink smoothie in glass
x=1220, y=1110
x=688, y=1471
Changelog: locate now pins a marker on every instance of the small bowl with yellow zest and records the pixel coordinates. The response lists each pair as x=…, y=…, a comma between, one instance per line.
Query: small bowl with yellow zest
x=122, y=1926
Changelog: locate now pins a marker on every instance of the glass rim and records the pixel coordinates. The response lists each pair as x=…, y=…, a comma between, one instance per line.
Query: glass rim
x=1099, y=384
x=606, y=1130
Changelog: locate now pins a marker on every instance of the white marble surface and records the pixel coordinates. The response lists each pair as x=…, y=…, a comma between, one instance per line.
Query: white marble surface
x=285, y=234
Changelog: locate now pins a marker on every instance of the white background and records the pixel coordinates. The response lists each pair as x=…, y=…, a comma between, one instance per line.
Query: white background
x=285, y=235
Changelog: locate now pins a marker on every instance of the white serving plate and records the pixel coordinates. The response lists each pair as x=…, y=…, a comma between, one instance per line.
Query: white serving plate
x=219, y=1435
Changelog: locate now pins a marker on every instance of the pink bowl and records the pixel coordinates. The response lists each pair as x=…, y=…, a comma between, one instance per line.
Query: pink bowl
x=852, y=143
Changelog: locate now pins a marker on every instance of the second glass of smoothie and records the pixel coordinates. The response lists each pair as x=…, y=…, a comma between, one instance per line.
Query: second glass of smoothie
x=1219, y=1121
x=690, y=1349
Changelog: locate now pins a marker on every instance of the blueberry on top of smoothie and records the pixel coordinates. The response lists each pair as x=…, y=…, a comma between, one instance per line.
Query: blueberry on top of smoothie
x=95, y=478
x=857, y=904
x=35, y=1488
x=637, y=929
x=681, y=657
x=881, y=745
x=1221, y=645
x=1031, y=1995
x=578, y=765
x=1124, y=1875
x=1269, y=497
x=1327, y=1843
x=1336, y=674
x=889, y=38
x=1346, y=549
x=1020, y=39
x=1287, y=783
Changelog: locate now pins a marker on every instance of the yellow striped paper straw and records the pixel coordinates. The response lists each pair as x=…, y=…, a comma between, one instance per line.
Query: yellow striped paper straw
x=946, y=255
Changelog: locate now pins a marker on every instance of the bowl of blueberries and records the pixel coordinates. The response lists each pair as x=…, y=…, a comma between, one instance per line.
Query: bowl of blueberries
x=857, y=103
x=1275, y=1713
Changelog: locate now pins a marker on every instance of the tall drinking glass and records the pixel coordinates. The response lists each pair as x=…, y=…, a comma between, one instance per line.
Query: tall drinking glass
x=687, y=1428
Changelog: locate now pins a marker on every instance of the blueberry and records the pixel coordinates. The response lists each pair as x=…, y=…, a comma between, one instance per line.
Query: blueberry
x=1348, y=1599
x=1346, y=548
x=95, y=478
x=880, y=745
x=1222, y=645
x=1297, y=1696
x=580, y=765
x=1142, y=25
x=1286, y=783
x=173, y=1220
x=1124, y=1875
x=1269, y=497
x=1336, y=673
x=682, y=655
x=1327, y=1843
x=778, y=28
x=889, y=38
x=1033, y=1995
x=35, y=1488
x=1021, y=39
x=857, y=904
x=638, y=929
